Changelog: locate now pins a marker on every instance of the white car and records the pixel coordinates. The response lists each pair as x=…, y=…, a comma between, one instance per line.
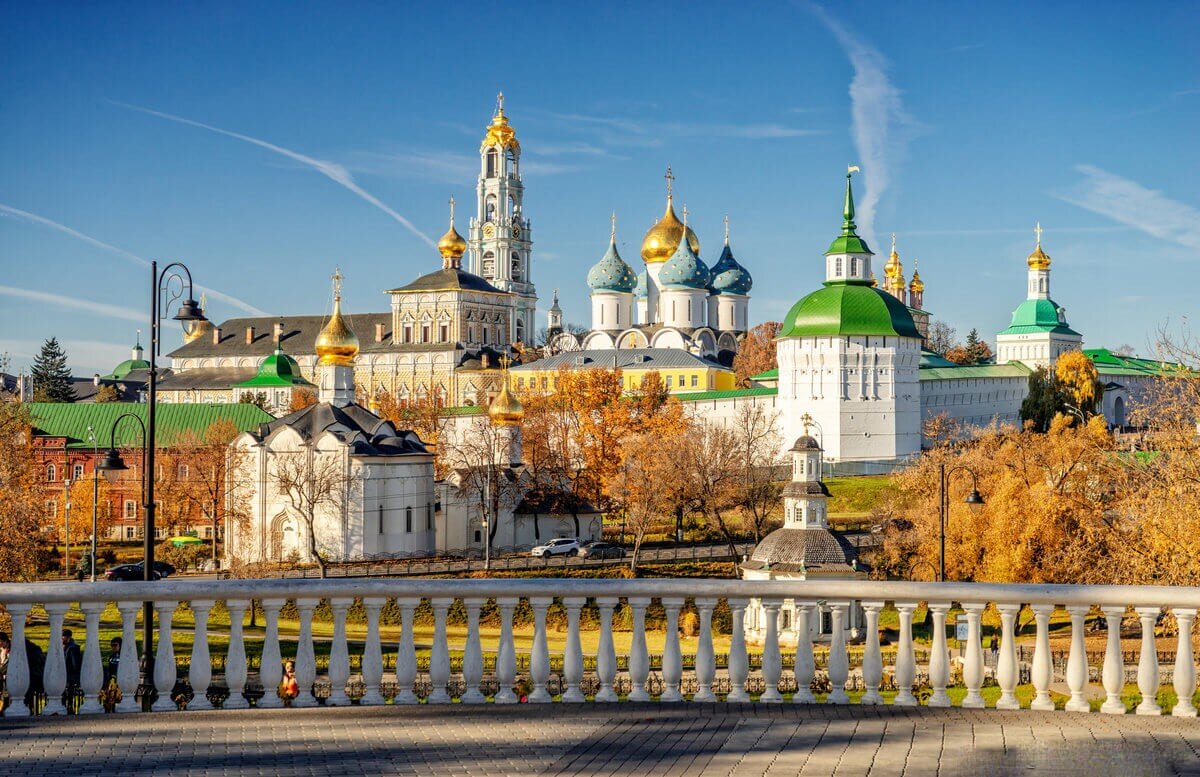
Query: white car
x=562, y=546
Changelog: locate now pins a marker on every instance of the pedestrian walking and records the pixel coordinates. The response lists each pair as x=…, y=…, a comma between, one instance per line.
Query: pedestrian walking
x=994, y=646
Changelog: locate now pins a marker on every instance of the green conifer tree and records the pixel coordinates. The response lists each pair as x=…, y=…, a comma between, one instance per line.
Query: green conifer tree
x=51, y=376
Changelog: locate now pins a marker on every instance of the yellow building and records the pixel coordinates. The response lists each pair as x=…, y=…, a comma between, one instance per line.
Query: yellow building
x=681, y=371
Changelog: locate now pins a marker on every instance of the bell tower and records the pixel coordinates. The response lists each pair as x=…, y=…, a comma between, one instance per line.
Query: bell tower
x=500, y=233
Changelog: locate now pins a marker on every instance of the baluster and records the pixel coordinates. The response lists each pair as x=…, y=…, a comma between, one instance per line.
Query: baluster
x=739, y=662
x=1148, y=663
x=1041, y=670
x=472, y=670
x=372, y=659
x=1077, y=669
x=200, y=669
x=973, y=666
x=306, y=659
x=54, y=674
x=506, y=655
x=339, y=654
x=127, y=667
x=606, y=654
x=872, y=669
x=772, y=662
x=706, y=668
x=639, y=660
x=235, y=659
x=573, y=653
x=406, y=653
x=672, y=657
x=539, y=659
x=18, y=663
x=939, y=657
x=166, y=673
x=1184, y=678
x=806, y=665
x=839, y=658
x=906, y=660
x=91, y=678
x=439, y=656
x=1114, y=663
x=270, y=666
x=1006, y=661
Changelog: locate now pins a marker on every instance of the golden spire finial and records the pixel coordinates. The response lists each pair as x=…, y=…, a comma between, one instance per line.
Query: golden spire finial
x=1037, y=230
x=613, y=236
x=670, y=182
x=807, y=420
x=893, y=242
x=727, y=230
x=685, y=215
x=203, y=301
x=500, y=104
x=337, y=284
x=452, y=213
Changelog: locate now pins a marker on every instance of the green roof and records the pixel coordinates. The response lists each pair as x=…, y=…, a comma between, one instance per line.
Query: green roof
x=1037, y=315
x=278, y=369
x=768, y=375
x=1109, y=363
x=758, y=391
x=126, y=367
x=63, y=419
x=931, y=359
x=959, y=372
x=849, y=307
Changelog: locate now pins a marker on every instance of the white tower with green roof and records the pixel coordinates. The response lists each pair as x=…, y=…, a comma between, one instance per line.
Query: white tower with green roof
x=848, y=356
x=1039, y=332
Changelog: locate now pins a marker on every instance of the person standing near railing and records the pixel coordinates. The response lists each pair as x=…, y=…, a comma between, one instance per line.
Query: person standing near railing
x=5, y=649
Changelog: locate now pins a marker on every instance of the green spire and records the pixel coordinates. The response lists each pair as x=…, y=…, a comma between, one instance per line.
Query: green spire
x=848, y=225
x=849, y=242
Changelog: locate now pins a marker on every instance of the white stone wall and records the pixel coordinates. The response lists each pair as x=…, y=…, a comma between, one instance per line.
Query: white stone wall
x=611, y=311
x=974, y=402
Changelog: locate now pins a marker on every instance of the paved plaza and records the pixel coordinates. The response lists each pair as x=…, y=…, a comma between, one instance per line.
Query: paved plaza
x=618, y=739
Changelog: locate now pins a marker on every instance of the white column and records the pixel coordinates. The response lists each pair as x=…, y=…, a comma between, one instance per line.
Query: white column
x=235, y=659
x=1006, y=662
x=939, y=657
x=506, y=656
x=18, y=678
x=54, y=674
x=639, y=659
x=672, y=657
x=806, y=665
x=165, y=671
x=573, y=652
x=339, y=654
x=91, y=677
x=472, y=670
x=439, y=654
x=739, y=662
x=839, y=659
x=872, y=660
x=270, y=667
x=127, y=667
x=372, y=660
x=1148, y=663
x=306, y=659
x=1077, y=669
x=200, y=669
x=1041, y=670
x=606, y=654
x=406, y=654
x=539, y=659
x=1114, y=666
x=706, y=668
x=1184, y=678
x=973, y=666
x=772, y=662
x=906, y=660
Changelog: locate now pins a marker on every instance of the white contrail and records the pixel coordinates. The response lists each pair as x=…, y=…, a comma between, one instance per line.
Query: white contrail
x=112, y=311
x=880, y=125
x=330, y=170
x=35, y=218
x=1130, y=203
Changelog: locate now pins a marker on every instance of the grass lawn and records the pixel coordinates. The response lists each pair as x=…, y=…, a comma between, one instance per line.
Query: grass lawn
x=854, y=496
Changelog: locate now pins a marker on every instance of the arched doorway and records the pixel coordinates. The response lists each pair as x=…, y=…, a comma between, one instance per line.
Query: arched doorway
x=285, y=538
x=1118, y=419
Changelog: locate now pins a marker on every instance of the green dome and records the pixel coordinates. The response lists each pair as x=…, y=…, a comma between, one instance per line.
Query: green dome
x=1038, y=315
x=124, y=368
x=278, y=369
x=849, y=307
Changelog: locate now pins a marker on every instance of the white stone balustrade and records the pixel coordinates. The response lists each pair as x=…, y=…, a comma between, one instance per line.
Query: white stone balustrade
x=473, y=683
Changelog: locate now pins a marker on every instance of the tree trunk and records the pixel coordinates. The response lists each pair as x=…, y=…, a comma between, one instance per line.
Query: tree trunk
x=575, y=517
x=729, y=538
x=637, y=549
x=312, y=551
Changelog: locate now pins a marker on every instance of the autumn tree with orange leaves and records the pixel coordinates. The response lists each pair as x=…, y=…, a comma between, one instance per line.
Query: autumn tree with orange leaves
x=756, y=353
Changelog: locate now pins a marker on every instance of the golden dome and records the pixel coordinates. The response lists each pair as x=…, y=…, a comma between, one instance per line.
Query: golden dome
x=506, y=409
x=452, y=245
x=893, y=268
x=663, y=238
x=917, y=284
x=1039, y=259
x=500, y=132
x=337, y=343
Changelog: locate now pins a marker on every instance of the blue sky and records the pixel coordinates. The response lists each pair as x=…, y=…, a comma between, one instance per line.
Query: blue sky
x=971, y=123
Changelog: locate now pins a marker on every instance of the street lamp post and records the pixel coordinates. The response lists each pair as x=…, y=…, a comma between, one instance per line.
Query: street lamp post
x=974, y=498
x=95, y=491
x=66, y=525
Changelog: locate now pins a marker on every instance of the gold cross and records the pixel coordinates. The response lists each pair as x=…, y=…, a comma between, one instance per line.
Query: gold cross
x=1038, y=231
x=452, y=211
x=500, y=102
x=614, y=227
x=670, y=181
x=685, y=215
x=807, y=420
x=337, y=282
x=505, y=361
x=893, y=242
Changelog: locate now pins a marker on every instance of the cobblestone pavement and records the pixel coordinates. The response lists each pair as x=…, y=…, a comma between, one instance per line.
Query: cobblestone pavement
x=625, y=739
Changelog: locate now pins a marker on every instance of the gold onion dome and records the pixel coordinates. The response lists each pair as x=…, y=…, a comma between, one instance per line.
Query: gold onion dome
x=500, y=132
x=452, y=245
x=893, y=268
x=917, y=284
x=337, y=343
x=1039, y=259
x=506, y=409
x=663, y=238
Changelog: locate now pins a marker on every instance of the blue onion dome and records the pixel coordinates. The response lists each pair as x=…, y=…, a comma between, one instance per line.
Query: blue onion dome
x=729, y=277
x=641, y=289
x=684, y=270
x=611, y=273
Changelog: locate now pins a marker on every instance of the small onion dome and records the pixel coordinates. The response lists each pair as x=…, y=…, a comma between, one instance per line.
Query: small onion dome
x=506, y=409
x=500, y=132
x=806, y=443
x=916, y=284
x=611, y=273
x=452, y=245
x=1039, y=259
x=684, y=270
x=874, y=281
x=663, y=238
x=337, y=343
x=642, y=288
x=729, y=277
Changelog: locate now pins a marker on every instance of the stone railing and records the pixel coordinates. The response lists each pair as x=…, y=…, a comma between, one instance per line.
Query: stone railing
x=497, y=678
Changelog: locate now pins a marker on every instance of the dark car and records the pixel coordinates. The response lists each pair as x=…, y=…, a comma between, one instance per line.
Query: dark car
x=597, y=549
x=128, y=572
x=163, y=569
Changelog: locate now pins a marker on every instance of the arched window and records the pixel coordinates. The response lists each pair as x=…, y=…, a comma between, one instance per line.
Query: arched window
x=516, y=266
x=837, y=267
x=490, y=208
x=489, y=265
x=853, y=266
x=493, y=161
x=408, y=520
x=51, y=473
x=520, y=330
x=77, y=472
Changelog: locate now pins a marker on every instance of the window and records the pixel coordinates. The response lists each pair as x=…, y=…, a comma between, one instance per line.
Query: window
x=130, y=533
x=51, y=473
x=408, y=520
x=682, y=381
x=77, y=471
x=695, y=381
x=478, y=536
x=429, y=516
x=520, y=383
x=408, y=333
x=443, y=332
x=183, y=472
x=516, y=266
x=51, y=508
x=487, y=335
x=489, y=264
x=424, y=333
x=493, y=159
x=837, y=266
x=669, y=379
x=853, y=266
x=130, y=512
x=381, y=519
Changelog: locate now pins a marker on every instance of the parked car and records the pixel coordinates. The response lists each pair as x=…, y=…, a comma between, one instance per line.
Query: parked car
x=128, y=572
x=598, y=549
x=563, y=546
x=163, y=569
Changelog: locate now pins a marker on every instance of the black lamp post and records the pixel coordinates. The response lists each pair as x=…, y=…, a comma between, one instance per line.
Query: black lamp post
x=974, y=499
